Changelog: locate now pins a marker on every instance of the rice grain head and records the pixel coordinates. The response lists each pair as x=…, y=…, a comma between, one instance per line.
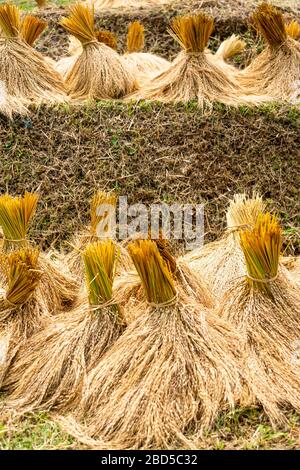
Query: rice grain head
x=48, y=373
x=99, y=71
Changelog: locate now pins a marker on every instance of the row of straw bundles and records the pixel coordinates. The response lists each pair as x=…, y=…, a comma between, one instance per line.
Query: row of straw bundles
x=183, y=358
x=97, y=71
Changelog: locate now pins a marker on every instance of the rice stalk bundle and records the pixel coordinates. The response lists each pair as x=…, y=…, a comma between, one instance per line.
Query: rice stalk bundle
x=31, y=29
x=222, y=261
x=276, y=70
x=229, y=48
x=57, y=286
x=293, y=29
x=194, y=74
x=99, y=71
x=143, y=65
x=22, y=310
x=168, y=376
x=64, y=65
x=102, y=208
x=48, y=373
x=26, y=76
x=264, y=309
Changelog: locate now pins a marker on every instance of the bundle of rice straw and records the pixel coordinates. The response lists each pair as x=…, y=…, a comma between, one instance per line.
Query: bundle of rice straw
x=48, y=373
x=58, y=288
x=276, y=70
x=102, y=210
x=229, y=48
x=168, y=376
x=64, y=65
x=194, y=74
x=99, y=72
x=143, y=65
x=26, y=76
x=222, y=261
x=22, y=310
x=264, y=308
x=293, y=29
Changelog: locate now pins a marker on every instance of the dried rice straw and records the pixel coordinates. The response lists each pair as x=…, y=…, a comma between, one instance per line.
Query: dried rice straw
x=194, y=74
x=22, y=310
x=168, y=376
x=64, y=65
x=98, y=72
x=26, y=75
x=293, y=29
x=264, y=308
x=49, y=371
x=222, y=261
x=276, y=70
x=31, y=29
x=143, y=65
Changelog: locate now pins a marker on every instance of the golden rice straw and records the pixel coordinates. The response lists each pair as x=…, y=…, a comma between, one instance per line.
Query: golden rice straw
x=143, y=65
x=64, y=65
x=57, y=286
x=48, y=373
x=276, y=70
x=168, y=376
x=26, y=75
x=228, y=49
x=194, y=74
x=102, y=206
x=41, y=3
x=293, y=29
x=32, y=28
x=22, y=310
x=264, y=308
x=99, y=71
x=222, y=261
x=108, y=4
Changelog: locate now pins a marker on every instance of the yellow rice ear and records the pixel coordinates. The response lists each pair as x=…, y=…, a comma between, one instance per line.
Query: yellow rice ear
x=192, y=32
x=10, y=20
x=293, y=29
x=32, y=28
x=108, y=38
x=80, y=23
x=135, y=37
x=270, y=24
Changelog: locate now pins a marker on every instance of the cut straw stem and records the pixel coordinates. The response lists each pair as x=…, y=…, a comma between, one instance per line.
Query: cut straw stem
x=102, y=206
x=10, y=20
x=80, y=23
x=135, y=37
x=293, y=29
x=108, y=38
x=270, y=24
x=262, y=247
x=153, y=271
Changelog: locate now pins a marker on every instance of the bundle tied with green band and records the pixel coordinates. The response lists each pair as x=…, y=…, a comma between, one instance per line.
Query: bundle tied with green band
x=25, y=76
x=48, y=372
x=276, y=70
x=195, y=74
x=57, y=287
x=22, y=310
x=143, y=64
x=168, y=376
x=264, y=308
x=98, y=71
x=222, y=261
